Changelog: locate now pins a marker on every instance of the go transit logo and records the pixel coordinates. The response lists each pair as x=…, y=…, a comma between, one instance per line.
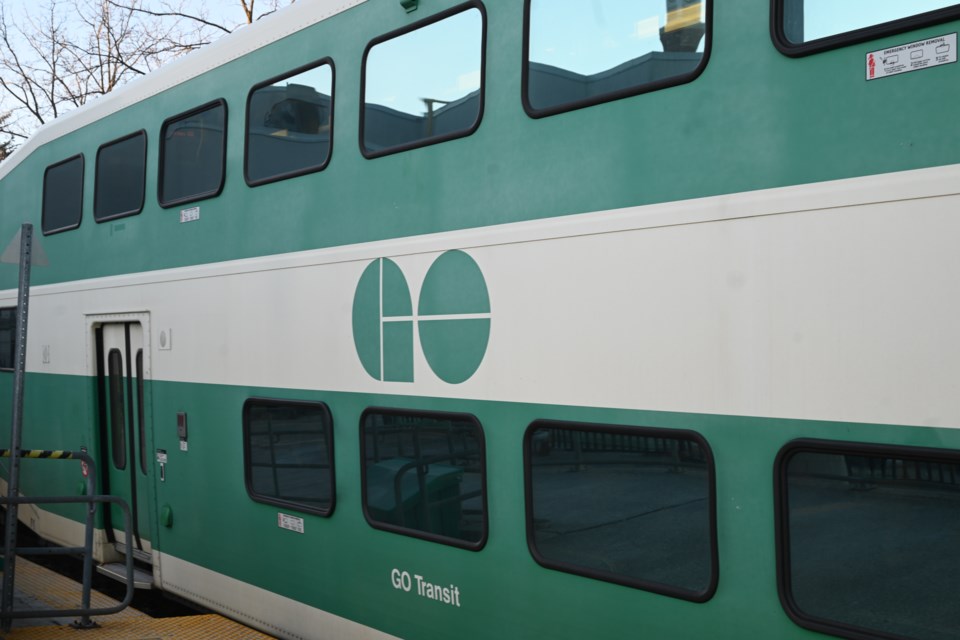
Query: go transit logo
x=452, y=319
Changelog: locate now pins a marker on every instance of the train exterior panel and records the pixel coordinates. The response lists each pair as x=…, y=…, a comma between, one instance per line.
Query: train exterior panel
x=678, y=361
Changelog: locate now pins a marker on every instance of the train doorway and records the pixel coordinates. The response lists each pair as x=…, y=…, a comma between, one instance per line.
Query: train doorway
x=125, y=435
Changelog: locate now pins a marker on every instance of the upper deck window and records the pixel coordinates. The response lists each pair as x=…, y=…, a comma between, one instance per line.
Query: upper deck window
x=192, y=153
x=62, y=195
x=289, y=125
x=121, y=173
x=582, y=53
x=424, y=84
x=806, y=26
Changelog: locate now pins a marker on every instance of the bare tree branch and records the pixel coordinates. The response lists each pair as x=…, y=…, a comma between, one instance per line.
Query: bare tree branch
x=56, y=55
x=172, y=14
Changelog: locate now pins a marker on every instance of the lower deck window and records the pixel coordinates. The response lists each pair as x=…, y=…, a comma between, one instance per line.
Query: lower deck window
x=288, y=454
x=423, y=475
x=8, y=337
x=868, y=539
x=633, y=506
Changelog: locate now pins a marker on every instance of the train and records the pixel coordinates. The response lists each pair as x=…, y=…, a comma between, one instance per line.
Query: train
x=446, y=319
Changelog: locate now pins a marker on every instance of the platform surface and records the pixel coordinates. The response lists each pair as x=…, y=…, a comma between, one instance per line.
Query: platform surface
x=39, y=588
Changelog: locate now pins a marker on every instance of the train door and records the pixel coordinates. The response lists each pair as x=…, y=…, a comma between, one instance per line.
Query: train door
x=125, y=466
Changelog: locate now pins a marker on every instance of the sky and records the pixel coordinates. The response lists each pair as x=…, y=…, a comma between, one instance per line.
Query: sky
x=401, y=77
x=829, y=17
x=589, y=36
x=227, y=12
x=585, y=36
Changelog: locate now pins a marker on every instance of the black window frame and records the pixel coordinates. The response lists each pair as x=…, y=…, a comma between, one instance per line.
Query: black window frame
x=13, y=335
x=641, y=431
x=96, y=179
x=213, y=193
x=782, y=520
x=43, y=206
x=856, y=36
x=426, y=142
x=328, y=427
x=629, y=92
x=417, y=533
x=246, y=128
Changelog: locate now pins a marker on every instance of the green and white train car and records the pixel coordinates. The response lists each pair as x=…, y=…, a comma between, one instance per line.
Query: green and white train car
x=541, y=319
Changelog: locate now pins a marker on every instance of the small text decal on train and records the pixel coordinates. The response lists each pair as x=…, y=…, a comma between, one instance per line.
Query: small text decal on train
x=452, y=319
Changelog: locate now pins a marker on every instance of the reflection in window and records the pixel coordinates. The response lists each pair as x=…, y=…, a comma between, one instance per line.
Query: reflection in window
x=62, y=195
x=142, y=427
x=424, y=86
x=121, y=172
x=288, y=453
x=632, y=506
x=424, y=475
x=118, y=428
x=192, y=148
x=289, y=125
x=582, y=53
x=870, y=539
x=8, y=337
x=806, y=20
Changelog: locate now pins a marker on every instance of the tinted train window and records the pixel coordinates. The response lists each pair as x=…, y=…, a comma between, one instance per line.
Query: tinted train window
x=868, y=539
x=423, y=475
x=62, y=195
x=803, y=21
x=289, y=125
x=633, y=506
x=121, y=172
x=192, y=152
x=583, y=53
x=288, y=454
x=118, y=428
x=8, y=337
x=424, y=84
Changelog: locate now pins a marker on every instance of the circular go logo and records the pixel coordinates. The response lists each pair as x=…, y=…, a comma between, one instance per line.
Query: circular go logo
x=452, y=319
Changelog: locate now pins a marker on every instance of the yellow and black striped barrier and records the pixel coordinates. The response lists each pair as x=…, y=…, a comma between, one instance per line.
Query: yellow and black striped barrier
x=39, y=453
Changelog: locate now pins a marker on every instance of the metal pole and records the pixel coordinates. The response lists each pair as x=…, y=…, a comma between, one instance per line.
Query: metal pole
x=16, y=424
x=85, y=622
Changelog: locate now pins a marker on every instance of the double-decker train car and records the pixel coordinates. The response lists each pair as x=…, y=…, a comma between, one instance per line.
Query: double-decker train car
x=532, y=319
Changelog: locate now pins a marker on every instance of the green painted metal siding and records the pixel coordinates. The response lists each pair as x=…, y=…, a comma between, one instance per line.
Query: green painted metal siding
x=343, y=565
x=754, y=119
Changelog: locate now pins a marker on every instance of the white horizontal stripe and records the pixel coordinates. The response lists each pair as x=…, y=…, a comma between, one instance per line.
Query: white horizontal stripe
x=886, y=188
x=793, y=302
x=428, y=318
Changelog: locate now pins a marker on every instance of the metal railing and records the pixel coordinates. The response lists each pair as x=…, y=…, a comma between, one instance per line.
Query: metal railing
x=7, y=614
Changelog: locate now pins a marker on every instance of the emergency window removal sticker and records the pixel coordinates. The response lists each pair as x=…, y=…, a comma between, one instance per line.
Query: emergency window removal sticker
x=922, y=54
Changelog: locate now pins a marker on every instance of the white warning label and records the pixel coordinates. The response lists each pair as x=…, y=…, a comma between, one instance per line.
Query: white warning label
x=915, y=56
x=291, y=523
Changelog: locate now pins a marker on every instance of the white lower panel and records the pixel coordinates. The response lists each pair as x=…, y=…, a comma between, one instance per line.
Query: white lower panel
x=257, y=607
